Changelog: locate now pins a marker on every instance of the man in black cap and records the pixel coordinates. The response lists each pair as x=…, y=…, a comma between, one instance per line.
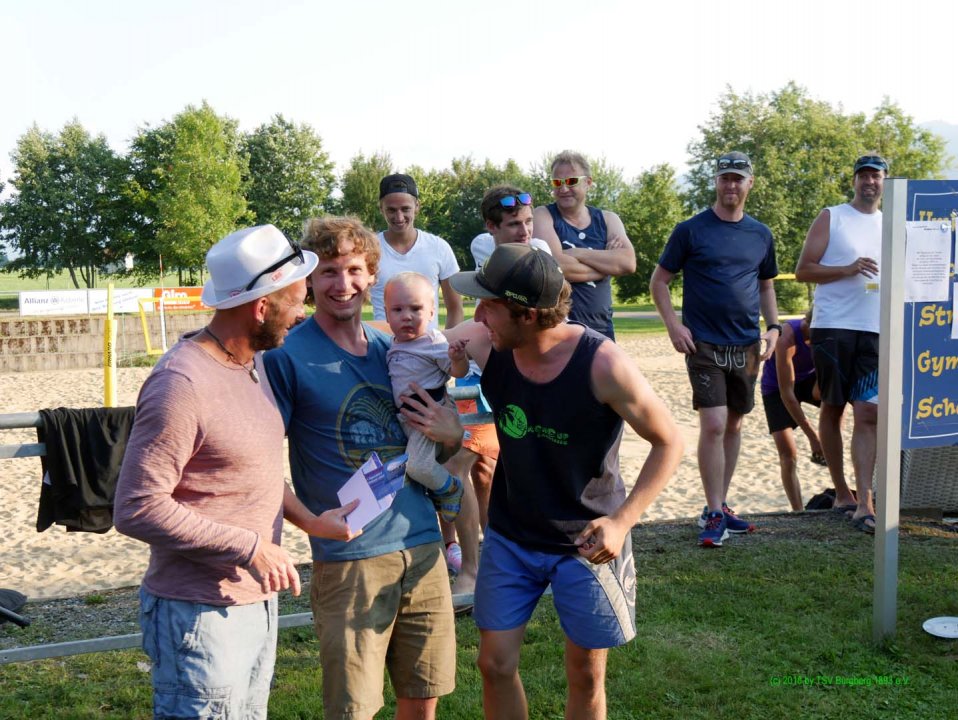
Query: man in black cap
x=841, y=255
x=404, y=248
x=728, y=258
x=559, y=514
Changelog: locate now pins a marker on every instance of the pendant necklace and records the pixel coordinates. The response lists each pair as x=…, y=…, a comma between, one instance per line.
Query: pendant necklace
x=251, y=369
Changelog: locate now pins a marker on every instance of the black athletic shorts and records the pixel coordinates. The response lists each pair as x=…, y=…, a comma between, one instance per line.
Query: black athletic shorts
x=846, y=363
x=777, y=415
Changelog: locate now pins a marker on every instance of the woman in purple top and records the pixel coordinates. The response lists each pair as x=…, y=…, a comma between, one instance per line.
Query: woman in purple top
x=788, y=380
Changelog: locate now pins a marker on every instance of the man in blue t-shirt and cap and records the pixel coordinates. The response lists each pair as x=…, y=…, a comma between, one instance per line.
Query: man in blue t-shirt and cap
x=729, y=262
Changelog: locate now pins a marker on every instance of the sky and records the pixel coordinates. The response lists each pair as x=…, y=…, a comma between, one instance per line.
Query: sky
x=428, y=81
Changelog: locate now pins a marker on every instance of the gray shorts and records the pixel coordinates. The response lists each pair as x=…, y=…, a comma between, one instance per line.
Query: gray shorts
x=209, y=661
x=724, y=375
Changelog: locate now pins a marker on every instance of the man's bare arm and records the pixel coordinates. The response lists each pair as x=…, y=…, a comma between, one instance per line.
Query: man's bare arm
x=453, y=302
x=330, y=524
x=572, y=268
x=769, y=307
x=476, y=338
x=619, y=383
x=618, y=257
x=679, y=334
x=436, y=421
x=810, y=269
x=784, y=353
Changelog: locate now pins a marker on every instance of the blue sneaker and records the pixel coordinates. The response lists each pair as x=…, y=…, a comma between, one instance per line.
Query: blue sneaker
x=733, y=523
x=714, y=531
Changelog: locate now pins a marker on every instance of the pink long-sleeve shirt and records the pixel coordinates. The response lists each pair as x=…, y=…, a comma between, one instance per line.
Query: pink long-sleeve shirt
x=202, y=478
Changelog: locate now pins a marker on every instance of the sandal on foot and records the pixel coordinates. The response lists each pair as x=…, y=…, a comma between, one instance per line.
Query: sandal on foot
x=845, y=509
x=861, y=523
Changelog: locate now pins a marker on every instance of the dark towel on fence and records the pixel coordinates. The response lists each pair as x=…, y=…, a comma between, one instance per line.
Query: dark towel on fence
x=13, y=602
x=84, y=451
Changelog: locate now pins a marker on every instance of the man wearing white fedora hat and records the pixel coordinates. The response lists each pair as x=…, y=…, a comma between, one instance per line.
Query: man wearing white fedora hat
x=202, y=483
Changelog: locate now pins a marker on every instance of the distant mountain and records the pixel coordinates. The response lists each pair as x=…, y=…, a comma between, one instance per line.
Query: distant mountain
x=949, y=132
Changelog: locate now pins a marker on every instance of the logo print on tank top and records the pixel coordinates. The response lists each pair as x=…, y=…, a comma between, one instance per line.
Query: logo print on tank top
x=513, y=422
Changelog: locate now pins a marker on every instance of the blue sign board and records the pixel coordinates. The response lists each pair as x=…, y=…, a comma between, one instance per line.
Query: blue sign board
x=930, y=382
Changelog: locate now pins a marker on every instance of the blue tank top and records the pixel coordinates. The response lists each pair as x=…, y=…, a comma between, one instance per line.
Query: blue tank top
x=591, y=301
x=802, y=362
x=558, y=462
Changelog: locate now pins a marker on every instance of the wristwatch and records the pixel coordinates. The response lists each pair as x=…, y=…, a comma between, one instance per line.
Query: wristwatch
x=774, y=326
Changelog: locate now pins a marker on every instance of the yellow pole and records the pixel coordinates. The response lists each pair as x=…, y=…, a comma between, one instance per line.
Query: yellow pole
x=109, y=352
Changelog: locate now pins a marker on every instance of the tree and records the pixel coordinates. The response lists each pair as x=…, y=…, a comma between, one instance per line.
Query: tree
x=290, y=175
x=67, y=212
x=803, y=151
x=649, y=208
x=360, y=187
x=188, y=188
x=912, y=151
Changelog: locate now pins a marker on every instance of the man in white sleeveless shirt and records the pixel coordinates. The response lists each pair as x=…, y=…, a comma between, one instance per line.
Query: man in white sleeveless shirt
x=841, y=255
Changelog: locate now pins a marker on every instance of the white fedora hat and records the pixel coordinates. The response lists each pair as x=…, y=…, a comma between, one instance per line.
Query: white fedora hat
x=251, y=263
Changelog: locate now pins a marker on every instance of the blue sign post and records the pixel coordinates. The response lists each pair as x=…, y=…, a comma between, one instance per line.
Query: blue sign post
x=930, y=372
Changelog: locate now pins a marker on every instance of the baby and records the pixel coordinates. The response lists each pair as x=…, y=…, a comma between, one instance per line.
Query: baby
x=421, y=355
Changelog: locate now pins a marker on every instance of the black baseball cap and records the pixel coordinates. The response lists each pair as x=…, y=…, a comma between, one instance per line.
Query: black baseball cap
x=871, y=161
x=734, y=162
x=397, y=183
x=517, y=272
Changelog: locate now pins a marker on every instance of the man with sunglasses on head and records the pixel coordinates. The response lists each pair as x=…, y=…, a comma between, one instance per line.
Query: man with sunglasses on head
x=202, y=483
x=841, y=255
x=507, y=213
x=590, y=244
x=728, y=261
x=406, y=248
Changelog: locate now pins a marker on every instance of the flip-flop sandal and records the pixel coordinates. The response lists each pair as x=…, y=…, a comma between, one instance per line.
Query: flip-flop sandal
x=861, y=523
x=819, y=459
x=844, y=509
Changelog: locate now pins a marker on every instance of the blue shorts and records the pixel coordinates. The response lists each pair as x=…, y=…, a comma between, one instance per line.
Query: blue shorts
x=595, y=603
x=209, y=661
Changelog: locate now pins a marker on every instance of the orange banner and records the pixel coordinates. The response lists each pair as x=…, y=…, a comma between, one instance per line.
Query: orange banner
x=181, y=298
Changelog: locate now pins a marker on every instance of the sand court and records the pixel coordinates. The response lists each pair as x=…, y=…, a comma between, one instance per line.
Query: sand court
x=56, y=563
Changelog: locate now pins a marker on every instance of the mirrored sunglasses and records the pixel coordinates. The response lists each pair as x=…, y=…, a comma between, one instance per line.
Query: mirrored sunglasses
x=512, y=200
x=569, y=181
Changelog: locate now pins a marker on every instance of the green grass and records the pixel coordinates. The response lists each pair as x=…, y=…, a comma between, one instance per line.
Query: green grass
x=759, y=629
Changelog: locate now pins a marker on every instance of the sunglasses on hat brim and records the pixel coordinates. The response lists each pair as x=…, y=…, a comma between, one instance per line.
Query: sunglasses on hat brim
x=873, y=161
x=726, y=164
x=297, y=253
